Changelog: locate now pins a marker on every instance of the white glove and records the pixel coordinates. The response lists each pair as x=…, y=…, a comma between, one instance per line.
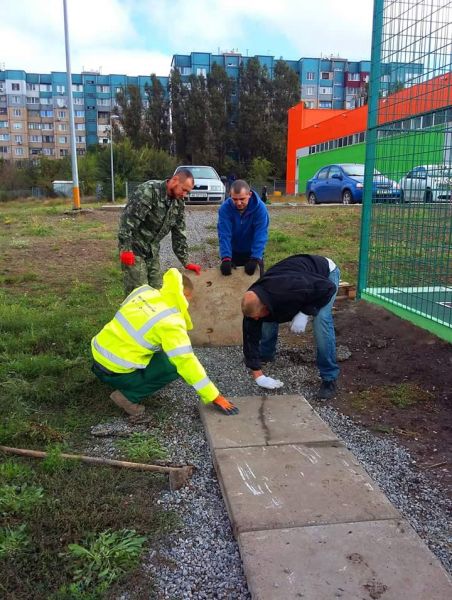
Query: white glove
x=299, y=322
x=268, y=382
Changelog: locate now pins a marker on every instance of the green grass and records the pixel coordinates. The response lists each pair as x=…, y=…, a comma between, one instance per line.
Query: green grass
x=400, y=396
x=140, y=447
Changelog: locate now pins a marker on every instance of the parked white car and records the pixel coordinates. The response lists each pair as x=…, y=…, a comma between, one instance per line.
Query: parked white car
x=208, y=186
x=427, y=183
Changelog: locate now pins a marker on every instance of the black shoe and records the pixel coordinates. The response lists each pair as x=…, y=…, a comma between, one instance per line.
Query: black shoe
x=327, y=390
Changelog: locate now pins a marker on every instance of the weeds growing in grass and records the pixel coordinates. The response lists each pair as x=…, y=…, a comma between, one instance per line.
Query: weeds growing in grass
x=142, y=447
x=104, y=559
x=13, y=540
x=20, y=499
x=11, y=471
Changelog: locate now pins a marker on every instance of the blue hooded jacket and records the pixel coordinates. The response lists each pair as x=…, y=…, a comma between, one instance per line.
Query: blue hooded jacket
x=244, y=233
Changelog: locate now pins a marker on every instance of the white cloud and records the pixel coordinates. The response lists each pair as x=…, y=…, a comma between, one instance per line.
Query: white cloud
x=120, y=36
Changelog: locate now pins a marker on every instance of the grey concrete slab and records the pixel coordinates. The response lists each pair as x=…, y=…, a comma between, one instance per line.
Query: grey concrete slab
x=270, y=487
x=267, y=420
x=354, y=561
x=215, y=307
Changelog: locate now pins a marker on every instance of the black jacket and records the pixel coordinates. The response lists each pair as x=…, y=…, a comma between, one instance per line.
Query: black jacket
x=297, y=283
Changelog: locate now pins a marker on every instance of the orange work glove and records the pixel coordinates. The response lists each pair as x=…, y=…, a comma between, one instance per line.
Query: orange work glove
x=224, y=406
x=127, y=257
x=193, y=267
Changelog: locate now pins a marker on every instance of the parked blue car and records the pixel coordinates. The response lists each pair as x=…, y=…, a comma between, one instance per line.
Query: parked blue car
x=345, y=182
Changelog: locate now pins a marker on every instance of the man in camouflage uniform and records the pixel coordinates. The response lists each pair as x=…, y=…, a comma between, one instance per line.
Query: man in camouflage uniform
x=155, y=209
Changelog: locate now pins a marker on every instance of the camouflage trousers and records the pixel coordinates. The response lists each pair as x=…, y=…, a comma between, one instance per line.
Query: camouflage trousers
x=144, y=271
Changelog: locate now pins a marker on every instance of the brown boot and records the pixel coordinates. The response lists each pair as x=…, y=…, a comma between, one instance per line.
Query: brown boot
x=131, y=409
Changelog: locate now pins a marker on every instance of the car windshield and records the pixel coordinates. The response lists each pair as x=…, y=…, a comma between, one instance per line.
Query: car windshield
x=439, y=172
x=201, y=172
x=353, y=170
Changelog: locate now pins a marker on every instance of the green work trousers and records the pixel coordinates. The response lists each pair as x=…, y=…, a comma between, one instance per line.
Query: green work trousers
x=141, y=383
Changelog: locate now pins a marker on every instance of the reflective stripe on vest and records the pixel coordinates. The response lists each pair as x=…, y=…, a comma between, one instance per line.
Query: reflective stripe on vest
x=143, y=288
x=179, y=351
x=116, y=360
x=165, y=313
x=134, y=333
x=201, y=384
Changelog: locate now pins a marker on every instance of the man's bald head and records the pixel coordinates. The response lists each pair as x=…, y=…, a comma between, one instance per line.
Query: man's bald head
x=253, y=307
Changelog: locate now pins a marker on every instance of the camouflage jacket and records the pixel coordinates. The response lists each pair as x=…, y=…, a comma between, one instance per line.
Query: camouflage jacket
x=148, y=217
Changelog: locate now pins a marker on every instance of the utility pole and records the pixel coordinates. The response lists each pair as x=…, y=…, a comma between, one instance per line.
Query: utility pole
x=75, y=186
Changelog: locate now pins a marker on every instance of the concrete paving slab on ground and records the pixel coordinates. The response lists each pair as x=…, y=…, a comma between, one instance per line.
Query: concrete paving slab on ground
x=267, y=420
x=273, y=487
x=383, y=560
x=215, y=307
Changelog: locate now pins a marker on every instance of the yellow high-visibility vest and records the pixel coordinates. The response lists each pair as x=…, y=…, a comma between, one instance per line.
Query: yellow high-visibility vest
x=151, y=321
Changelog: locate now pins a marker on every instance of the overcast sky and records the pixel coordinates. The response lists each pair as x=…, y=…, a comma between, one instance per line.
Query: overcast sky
x=139, y=37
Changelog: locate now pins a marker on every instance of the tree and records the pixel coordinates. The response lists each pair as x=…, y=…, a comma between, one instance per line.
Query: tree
x=253, y=112
x=199, y=134
x=260, y=171
x=285, y=92
x=158, y=115
x=178, y=105
x=220, y=88
x=131, y=116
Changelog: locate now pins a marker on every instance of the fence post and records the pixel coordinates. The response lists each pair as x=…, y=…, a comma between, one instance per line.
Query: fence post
x=127, y=191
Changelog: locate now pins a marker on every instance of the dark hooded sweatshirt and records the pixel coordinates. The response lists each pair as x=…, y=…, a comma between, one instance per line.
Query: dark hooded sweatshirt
x=297, y=283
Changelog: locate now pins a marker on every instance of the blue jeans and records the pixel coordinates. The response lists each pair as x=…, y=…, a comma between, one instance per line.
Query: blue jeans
x=325, y=337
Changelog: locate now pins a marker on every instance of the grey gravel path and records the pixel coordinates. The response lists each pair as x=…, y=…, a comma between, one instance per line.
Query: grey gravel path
x=202, y=560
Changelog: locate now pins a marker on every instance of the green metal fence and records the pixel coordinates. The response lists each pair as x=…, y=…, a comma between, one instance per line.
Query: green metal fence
x=406, y=243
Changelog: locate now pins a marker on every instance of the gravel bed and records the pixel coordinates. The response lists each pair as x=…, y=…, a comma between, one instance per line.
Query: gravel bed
x=202, y=559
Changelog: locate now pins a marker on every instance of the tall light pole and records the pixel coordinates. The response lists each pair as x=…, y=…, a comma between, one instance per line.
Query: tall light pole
x=112, y=118
x=75, y=186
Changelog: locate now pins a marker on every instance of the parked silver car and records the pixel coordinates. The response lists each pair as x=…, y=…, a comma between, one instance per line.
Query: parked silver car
x=208, y=186
x=427, y=183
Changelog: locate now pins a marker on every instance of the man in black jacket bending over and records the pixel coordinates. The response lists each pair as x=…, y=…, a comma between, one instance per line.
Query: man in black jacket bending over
x=300, y=285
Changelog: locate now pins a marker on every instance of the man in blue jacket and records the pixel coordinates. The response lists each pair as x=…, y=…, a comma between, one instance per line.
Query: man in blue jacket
x=242, y=229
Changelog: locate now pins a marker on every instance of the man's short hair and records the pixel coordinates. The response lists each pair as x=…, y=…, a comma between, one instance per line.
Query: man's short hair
x=238, y=185
x=251, y=304
x=184, y=174
x=187, y=283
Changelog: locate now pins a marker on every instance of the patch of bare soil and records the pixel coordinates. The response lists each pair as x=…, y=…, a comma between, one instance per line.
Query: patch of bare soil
x=397, y=380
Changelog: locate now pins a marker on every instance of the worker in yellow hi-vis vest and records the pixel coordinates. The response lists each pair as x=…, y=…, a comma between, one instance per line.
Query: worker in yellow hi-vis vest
x=146, y=346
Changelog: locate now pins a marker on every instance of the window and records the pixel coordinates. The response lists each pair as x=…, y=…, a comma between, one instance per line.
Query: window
x=17, y=112
x=19, y=151
x=310, y=76
x=185, y=71
x=15, y=99
x=61, y=102
x=3, y=110
x=118, y=90
x=62, y=139
x=326, y=75
x=48, y=151
x=64, y=152
x=33, y=113
x=2, y=87
x=62, y=127
x=46, y=100
x=77, y=87
x=78, y=101
x=18, y=139
x=35, y=138
x=103, y=101
x=3, y=124
x=4, y=137
x=325, y=90
x=3, y=149
x=80, y=151
x=309, y=103
x=32, y=100
x=385, y=79
x=80, y=139
x=80, y=126
x=79, y=113
x=353, y=76
x=310, y=91
x=15, y=87
x=61, y=114
x=45, y=87
x=103, y=89
x=324, y=104
x=322, y=173
x=60, y=89
x=47, y=126
x=46, y=113
x=48, y=139
x=201, y=71
x=34, y=151
x=32, y=87
x=335, y=171
x=34, y=125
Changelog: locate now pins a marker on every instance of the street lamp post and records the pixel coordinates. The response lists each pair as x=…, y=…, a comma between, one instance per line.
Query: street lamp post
x=112, y=118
